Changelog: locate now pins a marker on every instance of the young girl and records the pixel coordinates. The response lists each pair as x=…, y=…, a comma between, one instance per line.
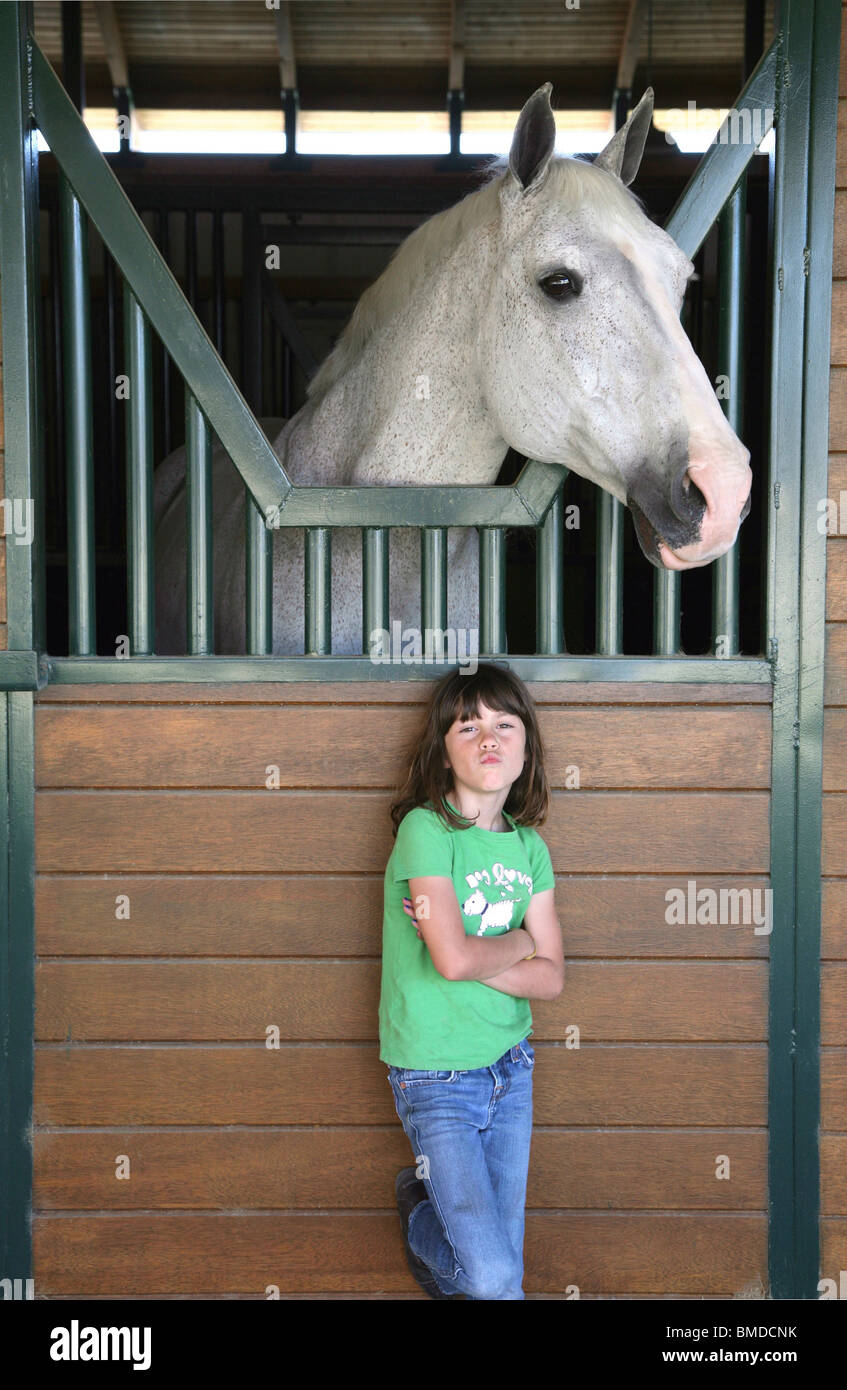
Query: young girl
x=454, y=1016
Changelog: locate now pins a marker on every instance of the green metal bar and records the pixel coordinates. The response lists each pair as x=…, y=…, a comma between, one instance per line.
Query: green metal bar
x=549, y=614
x=608, y=575
x=140, y=262
x=667, y=585
x=666, y=612
x=731, y=249
x=823, y=84
x=258, y=560
x=433, y=589
x=23, y=481
x=318, y=591
x=492, y=590
x=79, y=448
x=700, y=670
x=725, y=161
x=198, y=498
x=524, y=504
x=141, y=600
x=374, y=583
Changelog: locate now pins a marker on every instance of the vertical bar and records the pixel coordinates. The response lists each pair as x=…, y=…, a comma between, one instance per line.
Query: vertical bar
x=23, y=480
x=58, y=440
x=198, y=490
x=139, y=477
x=823, y=94
x=164, y=247
x=286, y=381
x=258, y=537
x=433, y=590
x=666, y=613
x=73, y=65
x=111, y=373
x=549, y=616
x=318, y=591
x=191, y=257
x=803, y=167
x=218, y=281
x=374, y=583
x=76, y=339
x=731, y=251
x=492, y=590
x=609, y=575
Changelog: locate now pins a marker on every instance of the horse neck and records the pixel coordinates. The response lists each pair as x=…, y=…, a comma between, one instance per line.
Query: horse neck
x=409, y=409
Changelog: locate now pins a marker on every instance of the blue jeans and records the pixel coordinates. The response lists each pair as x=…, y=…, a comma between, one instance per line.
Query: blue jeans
x=470, y=1133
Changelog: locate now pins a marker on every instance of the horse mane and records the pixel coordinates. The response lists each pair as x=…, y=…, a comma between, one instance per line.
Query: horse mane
x=571, y=180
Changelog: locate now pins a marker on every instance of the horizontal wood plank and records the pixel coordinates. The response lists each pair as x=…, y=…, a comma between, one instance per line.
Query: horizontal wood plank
x=400, y=692
x=358, y=1251
x=721, y=1084
x=334, y=915
x=834, y=1003
x=215, y=1000
x=338, y=746
x=290, y=832
x=355, y=1168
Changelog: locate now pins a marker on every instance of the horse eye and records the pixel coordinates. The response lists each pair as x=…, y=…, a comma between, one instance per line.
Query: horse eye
x=561, y=284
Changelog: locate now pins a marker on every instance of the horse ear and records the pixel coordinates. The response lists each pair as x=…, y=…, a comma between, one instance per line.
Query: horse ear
x=534, y=138
x=622, y=155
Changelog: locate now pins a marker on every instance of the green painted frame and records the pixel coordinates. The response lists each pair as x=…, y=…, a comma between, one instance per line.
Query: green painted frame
x=802, y=65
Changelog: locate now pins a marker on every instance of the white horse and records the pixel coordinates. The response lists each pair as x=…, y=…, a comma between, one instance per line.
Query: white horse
x=541, y=312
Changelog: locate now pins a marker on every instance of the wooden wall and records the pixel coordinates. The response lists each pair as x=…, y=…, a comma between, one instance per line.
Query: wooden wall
x=833, y=1139
x=253, y=908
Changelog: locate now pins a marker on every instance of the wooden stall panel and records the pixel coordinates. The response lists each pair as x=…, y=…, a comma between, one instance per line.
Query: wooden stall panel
x=207, y=877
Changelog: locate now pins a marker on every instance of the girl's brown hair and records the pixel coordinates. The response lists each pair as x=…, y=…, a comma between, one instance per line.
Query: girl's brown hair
x=459, y=696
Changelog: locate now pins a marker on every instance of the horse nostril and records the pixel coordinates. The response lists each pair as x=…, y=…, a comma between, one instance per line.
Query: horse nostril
x=746, y=508
x=689, y=502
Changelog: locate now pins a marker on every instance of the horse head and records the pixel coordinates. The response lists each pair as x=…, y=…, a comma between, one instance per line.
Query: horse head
x=583, y=357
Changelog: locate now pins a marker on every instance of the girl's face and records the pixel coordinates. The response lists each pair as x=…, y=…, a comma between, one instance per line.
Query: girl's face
x=486, y=753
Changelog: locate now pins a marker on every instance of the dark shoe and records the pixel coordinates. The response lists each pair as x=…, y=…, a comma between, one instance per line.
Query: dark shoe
x=410, y=1192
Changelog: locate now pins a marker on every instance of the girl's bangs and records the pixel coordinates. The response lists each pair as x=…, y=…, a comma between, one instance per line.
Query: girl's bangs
x=489, y=688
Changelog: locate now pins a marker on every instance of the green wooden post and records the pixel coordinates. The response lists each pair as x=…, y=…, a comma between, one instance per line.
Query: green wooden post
x=803, y=170
x=24, y=581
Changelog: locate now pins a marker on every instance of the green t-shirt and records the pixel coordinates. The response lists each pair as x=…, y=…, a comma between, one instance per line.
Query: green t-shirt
x=425, y=1021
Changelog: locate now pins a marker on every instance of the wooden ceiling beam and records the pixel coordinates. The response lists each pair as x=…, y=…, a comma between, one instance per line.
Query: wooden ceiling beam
x=285, y=47
x=110, y=32
x=631, y=45
x=456, y=73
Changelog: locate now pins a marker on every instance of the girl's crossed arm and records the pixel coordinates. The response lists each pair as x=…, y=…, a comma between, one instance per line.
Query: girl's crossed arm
x=453, y=952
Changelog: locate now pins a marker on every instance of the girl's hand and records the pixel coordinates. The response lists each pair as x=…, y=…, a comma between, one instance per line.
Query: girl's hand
x=410, y=912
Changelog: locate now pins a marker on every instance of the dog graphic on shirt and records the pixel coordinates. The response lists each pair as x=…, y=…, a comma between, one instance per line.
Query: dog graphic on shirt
x=490, y=914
